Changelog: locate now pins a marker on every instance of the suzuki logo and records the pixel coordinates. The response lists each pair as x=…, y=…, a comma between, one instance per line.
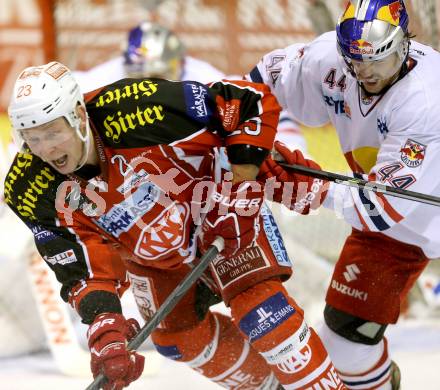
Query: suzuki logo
x=351, y=273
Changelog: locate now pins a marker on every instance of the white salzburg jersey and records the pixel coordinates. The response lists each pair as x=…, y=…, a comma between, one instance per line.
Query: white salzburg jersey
x=392, y=139
x=113, y=70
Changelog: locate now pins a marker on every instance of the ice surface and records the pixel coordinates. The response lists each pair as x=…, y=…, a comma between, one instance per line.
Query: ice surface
x=415, y=346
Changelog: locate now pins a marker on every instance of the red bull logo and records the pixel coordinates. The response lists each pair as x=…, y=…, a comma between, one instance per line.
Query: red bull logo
x=348, y=13
x=413, y=153
x=390, y=13
x=395, y=9
x=361, y=46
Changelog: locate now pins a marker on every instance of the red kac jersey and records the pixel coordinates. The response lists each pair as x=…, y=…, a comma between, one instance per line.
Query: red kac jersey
x=158, y=142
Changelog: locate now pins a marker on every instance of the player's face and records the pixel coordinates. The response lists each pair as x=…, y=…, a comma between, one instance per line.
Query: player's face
x=376, y=75
x=56, y=143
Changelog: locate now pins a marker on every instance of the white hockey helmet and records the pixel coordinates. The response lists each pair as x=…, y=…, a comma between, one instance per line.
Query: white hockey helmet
x=153, y=50
x=371, y=30
x=42, y=94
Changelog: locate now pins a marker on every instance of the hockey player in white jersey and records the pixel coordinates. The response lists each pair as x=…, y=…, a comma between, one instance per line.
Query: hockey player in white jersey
x=151, y=51
x=379, y=88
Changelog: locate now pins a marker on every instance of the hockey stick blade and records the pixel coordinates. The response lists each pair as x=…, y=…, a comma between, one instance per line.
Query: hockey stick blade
x=367, y=185
x=169, y=304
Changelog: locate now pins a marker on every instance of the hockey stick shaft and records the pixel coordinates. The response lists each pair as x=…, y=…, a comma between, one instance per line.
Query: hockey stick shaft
x=367, y=185
x=169, y=304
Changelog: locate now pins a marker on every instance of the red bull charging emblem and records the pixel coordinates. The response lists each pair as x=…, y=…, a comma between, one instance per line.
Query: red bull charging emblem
x=390, y=13
x=413, y=153
x=395, y=9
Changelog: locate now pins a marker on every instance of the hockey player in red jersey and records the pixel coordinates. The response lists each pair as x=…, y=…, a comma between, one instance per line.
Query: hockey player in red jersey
x=128, y=188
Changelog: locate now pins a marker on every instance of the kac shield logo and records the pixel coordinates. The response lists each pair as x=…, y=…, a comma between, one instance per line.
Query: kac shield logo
x=163, y=235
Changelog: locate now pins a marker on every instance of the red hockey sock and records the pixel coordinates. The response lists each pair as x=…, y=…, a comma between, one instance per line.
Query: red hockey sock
x=275, y=327
x=216, y=349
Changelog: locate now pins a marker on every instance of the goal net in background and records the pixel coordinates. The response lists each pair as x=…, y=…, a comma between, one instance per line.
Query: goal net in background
x=231, y=35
